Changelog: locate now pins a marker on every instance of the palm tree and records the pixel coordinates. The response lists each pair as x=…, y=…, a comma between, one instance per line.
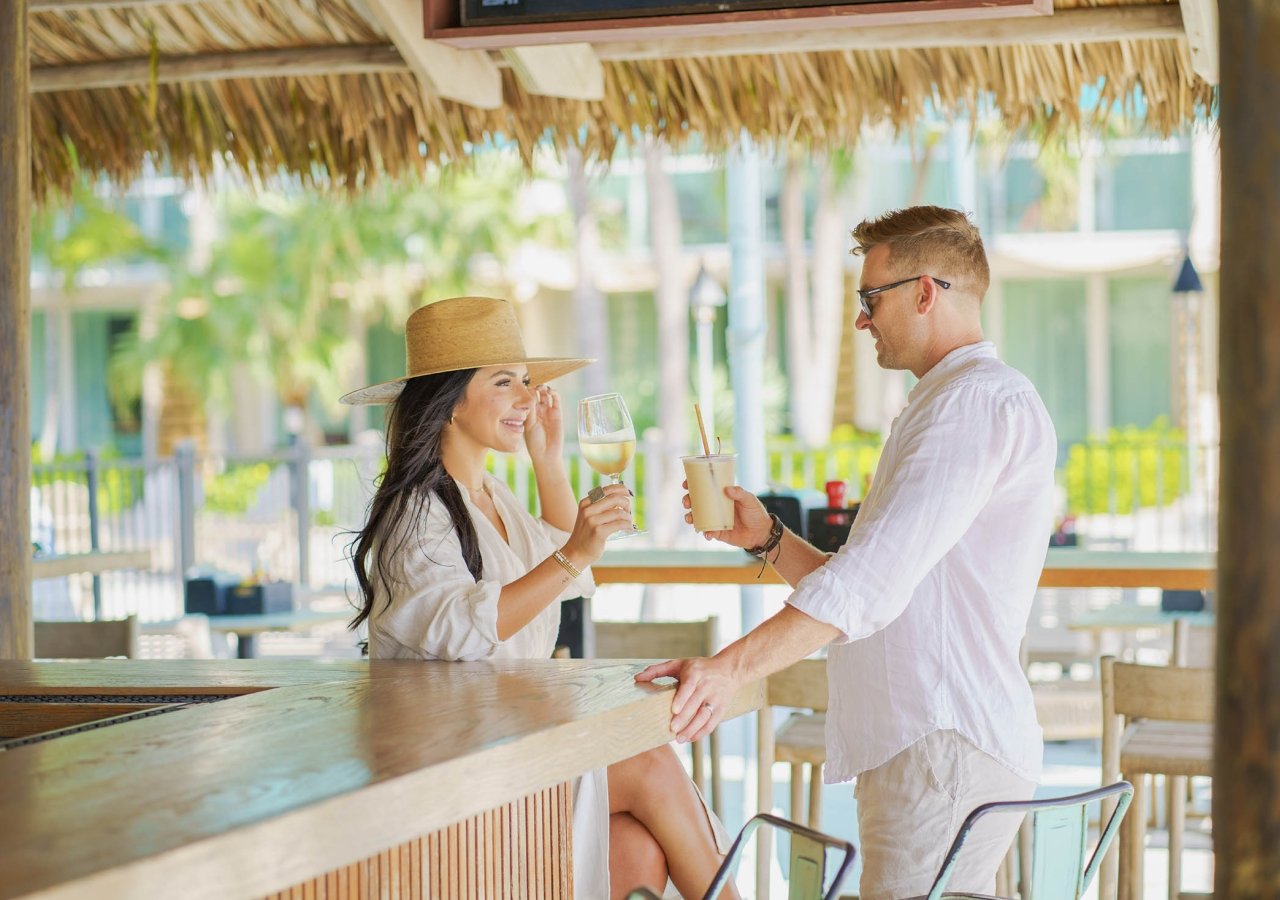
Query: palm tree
x=296, y=278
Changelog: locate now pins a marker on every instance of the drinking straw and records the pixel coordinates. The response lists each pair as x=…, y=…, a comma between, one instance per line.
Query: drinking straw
x=702, y=430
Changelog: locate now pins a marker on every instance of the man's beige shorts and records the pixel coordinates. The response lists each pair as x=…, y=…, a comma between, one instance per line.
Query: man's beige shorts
x=910, y=809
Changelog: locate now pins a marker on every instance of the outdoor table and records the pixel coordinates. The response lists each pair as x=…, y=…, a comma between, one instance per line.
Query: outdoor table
x=1129, y=618
x=1065, y=567
x=407, y=778
x=246, y=628
x=95, y=562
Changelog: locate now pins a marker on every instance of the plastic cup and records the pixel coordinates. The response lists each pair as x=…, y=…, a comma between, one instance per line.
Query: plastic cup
x=708, y=476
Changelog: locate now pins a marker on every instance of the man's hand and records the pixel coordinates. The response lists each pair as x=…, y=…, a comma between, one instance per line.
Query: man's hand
x=706, y=687
x=751, y=521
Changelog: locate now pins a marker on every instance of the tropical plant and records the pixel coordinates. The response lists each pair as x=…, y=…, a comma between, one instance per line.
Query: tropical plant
x=1128, y=468
x=86, y=230
x=296, y=277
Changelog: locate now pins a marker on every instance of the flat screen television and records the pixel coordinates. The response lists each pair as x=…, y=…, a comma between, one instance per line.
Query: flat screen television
x=496, y=12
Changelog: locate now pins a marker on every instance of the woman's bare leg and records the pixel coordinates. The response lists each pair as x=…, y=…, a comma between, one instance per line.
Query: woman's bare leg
x=635, y=859
x=654, y=788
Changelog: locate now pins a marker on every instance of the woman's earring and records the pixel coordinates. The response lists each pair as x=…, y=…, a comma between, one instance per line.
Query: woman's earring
x=451, y=420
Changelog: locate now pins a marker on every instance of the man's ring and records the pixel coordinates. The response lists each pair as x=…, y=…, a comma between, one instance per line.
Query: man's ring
x=596, y=494
x=711, y=710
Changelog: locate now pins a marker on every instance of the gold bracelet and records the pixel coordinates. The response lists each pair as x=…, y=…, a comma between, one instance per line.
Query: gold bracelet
x=566, y=565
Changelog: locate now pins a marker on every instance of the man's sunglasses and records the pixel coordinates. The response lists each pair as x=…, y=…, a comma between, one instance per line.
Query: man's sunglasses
x=864, y=296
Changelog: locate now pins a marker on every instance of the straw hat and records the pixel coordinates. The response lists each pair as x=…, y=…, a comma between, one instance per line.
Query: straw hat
x=464, y=333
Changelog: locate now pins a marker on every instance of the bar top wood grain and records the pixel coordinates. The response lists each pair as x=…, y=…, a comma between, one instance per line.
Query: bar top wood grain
x=1064, y=567
x=324, y=764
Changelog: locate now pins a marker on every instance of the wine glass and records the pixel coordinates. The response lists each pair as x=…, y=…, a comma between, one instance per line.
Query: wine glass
x=608, y=440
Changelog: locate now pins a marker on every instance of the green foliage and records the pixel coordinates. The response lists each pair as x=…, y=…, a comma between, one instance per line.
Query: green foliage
x=850, y=456
x=118, y=488
x=90, y=229
x=235, y=489
x=295, y=278
x=1129, y=468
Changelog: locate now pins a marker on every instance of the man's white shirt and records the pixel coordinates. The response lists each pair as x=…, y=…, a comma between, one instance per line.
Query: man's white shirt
x=933, y=589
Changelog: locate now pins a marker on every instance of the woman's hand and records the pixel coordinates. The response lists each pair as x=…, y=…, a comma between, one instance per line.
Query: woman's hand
x=596, y=521
x=544, y=429
x=751, y=521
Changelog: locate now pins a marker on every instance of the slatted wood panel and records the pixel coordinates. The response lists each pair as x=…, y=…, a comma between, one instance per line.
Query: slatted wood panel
x=522, y=849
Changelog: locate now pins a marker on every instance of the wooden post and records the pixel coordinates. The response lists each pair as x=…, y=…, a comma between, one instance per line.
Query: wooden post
x=15, y=329
x=1246, y=788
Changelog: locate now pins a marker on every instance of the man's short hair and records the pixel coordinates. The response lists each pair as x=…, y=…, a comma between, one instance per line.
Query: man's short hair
x=929, y=240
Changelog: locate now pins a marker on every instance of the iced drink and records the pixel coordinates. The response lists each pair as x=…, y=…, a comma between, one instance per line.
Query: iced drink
x=708, y=476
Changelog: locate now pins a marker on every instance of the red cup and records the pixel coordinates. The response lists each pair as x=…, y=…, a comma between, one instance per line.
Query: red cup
x=835, y=494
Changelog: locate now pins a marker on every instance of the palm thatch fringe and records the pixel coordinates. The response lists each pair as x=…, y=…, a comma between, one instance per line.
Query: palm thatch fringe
x=345, y=130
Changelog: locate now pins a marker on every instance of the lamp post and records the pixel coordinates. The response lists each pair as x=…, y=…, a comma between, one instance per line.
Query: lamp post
x=706, y=296
x=1188, y=288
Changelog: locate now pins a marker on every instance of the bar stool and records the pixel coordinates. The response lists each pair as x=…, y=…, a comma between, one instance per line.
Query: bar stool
x=669, y=640
x=1157, y=720
x=801, y=741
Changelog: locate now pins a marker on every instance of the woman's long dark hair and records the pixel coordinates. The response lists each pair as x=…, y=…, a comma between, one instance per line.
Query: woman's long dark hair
x=415, y=476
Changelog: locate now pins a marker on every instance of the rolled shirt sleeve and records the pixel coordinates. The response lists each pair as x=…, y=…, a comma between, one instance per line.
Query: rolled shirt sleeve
x=943, y=473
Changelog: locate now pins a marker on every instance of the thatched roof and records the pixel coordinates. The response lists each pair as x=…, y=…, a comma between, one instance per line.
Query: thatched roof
x=348, y=127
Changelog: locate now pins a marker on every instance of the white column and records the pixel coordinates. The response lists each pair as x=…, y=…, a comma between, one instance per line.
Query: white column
x=1097, y=354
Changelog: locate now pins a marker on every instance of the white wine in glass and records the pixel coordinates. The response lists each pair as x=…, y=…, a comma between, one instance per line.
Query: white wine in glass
x=607, y=439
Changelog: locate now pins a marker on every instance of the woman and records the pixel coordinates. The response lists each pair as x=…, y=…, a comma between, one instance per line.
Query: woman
x=451, y=566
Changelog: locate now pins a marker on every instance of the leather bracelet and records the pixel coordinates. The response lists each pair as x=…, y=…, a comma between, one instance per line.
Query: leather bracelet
x=566, y=565
x=772, y=541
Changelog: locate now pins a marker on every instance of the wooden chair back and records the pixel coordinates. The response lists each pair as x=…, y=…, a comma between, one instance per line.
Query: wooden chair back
x=803, y=684
x=1138, y=704
x=1167, y=693
x=655, y=640
x=87, y=640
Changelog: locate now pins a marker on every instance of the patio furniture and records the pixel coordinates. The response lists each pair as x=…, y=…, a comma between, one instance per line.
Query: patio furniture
x=247, y=628
x=1157, y=720
x=94, y=562
x=801, y=740
x=807, y=870
x=1061, y=866
x=669, y=640
x=1064, y=567
x=87, y=640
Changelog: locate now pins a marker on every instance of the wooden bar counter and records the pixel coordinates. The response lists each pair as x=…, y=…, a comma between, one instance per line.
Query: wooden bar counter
x=341, y=779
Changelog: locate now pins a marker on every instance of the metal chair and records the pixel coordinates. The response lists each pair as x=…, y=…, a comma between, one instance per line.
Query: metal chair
x=808, y=862
x=1060, y=831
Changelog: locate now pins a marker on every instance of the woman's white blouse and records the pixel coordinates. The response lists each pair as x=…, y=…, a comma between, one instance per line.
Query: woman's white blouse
x=438, y=611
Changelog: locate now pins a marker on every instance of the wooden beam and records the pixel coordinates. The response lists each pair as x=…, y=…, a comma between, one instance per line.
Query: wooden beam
x=1200, y=21
x=557, y=78
x=572, y=71
x=15, y=332
x=286, y=63
x=1246, y=781
x=91, y=5
x=466, y=77
x=1068, y=26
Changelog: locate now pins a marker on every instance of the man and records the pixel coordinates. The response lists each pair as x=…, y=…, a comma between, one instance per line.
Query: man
x=926, y=604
